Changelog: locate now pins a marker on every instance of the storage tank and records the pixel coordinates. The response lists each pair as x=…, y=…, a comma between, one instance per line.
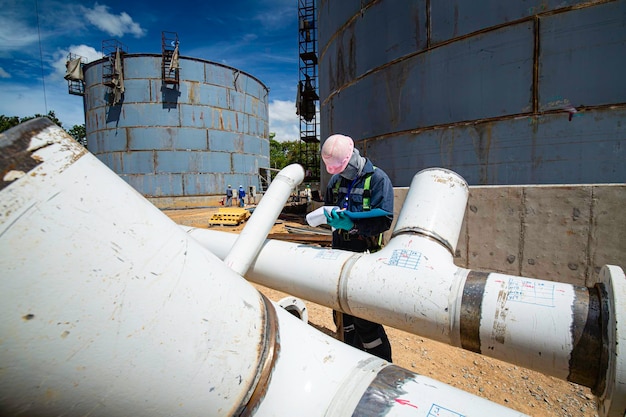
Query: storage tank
x=186, y=136
x=517, y=92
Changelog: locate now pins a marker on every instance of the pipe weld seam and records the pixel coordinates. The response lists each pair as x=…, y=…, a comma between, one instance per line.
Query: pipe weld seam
x=342, y=283
x=471, y=310
x=425, y=233
x=269, y=354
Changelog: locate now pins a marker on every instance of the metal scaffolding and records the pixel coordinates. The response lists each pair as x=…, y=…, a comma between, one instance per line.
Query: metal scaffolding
x=307, y=102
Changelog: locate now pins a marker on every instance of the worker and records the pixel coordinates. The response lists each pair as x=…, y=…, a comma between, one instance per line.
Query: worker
x=242, y=196
x=357, y=186
x=251, y=195
x=307, y=193
x=229, y=196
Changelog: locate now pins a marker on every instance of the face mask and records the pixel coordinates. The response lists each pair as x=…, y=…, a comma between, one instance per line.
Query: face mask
x=354, y=167
x=350, y=172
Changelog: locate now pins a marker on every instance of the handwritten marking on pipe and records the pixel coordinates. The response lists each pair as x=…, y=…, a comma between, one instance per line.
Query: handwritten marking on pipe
x=405, y=259
x=405, y=402
x=327, y=254
x=439, y=411
x=531, y=292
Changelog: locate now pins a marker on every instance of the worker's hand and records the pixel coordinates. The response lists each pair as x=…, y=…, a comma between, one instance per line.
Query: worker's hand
x=338, y=220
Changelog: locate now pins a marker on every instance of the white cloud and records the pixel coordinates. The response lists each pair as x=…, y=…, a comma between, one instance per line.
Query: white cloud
x=275, y=15
x=14, y=34
x=284, y=121
x=4, y=74
x=87, y=52
x=283, y=111
x=249, y=37
x=114, y=25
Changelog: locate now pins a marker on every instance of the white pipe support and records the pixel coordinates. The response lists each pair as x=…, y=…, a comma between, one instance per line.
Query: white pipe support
x=110, y=309
x=260, y=223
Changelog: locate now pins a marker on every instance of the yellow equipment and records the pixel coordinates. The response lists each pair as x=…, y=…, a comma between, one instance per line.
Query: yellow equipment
x=229, y=216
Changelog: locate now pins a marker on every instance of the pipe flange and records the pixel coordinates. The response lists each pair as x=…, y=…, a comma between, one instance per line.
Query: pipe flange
x=296, y=307
x=612, y=402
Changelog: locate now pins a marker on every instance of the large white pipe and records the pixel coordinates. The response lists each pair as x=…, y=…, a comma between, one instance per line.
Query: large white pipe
x=251, y=238
x=437, y=211
x=573, y=333
x=109, y=308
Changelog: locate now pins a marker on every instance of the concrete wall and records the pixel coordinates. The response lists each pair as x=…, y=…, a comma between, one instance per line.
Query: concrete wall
x=562, y=233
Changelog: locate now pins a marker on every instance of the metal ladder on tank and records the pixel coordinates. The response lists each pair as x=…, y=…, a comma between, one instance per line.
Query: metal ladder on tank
x=169, y=62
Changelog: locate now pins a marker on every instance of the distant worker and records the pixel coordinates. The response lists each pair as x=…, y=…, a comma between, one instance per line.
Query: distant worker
x=251, y=195
x=242, y=196
x=307, y=193
x=357, y=186
x=229, y=196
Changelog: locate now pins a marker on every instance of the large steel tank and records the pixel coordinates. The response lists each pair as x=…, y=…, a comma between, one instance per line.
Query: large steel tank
x=517, y=92
x=185, y=140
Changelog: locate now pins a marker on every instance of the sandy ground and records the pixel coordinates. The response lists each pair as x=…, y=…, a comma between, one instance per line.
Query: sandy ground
x=518, y=388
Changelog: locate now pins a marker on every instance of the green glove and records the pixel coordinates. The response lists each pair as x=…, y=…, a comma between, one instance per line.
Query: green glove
x=338, y=220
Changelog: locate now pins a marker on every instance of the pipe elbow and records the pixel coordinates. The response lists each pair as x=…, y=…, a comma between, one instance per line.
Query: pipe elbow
x=292, y=174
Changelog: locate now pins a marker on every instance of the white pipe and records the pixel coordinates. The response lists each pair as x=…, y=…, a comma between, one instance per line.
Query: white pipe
x=257, y=227
x=109, y=308
x=437, y=212
x=295, y=306
x=412, y=284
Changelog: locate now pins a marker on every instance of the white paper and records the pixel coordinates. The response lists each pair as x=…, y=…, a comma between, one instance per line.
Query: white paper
x=317, y=217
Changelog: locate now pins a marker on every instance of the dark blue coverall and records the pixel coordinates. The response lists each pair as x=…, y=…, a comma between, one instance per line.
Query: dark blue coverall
x=357, y=332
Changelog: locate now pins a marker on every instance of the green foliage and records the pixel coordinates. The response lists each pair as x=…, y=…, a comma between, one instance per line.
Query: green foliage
x=295, y=152
x=284, y=153
x=79, y=134
x=7, y=122
x=50, y=116
x=77, y=131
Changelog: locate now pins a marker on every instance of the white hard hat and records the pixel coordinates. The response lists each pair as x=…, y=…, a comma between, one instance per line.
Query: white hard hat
x=336, y=153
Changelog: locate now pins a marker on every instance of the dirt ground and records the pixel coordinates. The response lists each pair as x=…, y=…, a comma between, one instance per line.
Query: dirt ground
x=518, y=388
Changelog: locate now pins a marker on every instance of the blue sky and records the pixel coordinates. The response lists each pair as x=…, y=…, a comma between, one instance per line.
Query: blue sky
x=256, y=36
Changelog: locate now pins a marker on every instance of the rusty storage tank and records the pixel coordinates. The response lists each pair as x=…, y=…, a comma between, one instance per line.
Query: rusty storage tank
x=516, y=92
x=188, y=137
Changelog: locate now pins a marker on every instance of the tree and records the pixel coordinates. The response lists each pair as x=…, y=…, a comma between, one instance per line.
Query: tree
x=7, y=122
x=79, y=134
x=50, y=116
x=284, y=153
x=295, y=152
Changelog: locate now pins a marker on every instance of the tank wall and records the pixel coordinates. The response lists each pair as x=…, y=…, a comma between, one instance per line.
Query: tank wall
x=502, y=93
x=193, y=140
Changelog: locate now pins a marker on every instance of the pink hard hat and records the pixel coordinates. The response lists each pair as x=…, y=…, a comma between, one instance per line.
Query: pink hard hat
x=336, y=153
